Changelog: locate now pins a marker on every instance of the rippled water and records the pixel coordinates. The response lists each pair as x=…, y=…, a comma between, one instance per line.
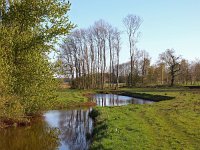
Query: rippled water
x=60, y=129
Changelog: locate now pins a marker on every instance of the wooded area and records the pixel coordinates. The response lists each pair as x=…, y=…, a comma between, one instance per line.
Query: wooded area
x=89, y=58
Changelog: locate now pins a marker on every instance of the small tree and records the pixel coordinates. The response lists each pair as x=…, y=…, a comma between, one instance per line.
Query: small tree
x=173, y=63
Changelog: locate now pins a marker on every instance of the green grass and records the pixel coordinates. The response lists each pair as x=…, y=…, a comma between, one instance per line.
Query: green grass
x=170, y=124
x=70, y=98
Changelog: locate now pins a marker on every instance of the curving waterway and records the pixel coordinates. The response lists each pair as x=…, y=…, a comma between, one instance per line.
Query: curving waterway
x=61, y=129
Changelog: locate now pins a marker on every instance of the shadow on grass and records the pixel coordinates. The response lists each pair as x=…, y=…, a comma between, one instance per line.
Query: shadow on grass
x=193, y=87
x=99, y=131
x=146, y=96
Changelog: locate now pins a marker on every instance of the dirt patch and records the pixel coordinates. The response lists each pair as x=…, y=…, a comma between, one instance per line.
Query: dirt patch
x=88, y=104
x=7, y=122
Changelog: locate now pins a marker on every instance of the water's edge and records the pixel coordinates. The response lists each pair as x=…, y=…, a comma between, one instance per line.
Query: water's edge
x=64, y=129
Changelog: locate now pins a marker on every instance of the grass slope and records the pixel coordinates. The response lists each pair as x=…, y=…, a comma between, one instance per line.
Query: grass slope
x=71, y=98
x=171, y=124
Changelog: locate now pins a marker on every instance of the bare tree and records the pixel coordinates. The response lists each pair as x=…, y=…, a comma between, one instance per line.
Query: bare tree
x=172, y=61
x=110, y=44
x=84, y=53
x=100, y=33
x=117, y=49
x=132, y=24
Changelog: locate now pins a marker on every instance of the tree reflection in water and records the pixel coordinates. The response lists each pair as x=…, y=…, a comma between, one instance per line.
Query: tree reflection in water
x=74, y=125
x=117, y=100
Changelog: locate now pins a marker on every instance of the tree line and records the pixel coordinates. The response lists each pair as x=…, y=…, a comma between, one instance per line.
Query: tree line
x=89, y=58
x=170, y=69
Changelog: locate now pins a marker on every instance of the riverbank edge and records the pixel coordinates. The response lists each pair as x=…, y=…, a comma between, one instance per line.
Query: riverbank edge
x=29, y=120
x=140, y=95
x=100, y=124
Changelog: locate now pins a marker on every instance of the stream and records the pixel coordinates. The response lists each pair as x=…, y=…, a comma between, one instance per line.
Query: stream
x=61, y=129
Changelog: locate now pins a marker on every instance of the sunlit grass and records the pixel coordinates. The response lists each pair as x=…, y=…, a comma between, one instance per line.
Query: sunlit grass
x=170, y=124
x=70, y=98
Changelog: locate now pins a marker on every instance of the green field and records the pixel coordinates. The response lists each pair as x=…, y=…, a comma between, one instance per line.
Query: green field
x=170, y=124
x=68, y=98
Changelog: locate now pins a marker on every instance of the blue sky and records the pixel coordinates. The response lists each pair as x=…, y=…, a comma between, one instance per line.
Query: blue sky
x=166, y=23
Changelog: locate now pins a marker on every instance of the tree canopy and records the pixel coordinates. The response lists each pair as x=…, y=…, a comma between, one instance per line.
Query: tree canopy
x=29, y=30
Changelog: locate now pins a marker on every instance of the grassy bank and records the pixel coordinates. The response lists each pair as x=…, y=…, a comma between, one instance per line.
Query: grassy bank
x=67, y=98
x=171, y=124
x=64, y=98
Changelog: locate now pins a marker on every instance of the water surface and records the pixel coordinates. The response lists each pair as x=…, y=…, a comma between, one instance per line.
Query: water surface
x=61, y=129
x=117, y=100
x=74, y=126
